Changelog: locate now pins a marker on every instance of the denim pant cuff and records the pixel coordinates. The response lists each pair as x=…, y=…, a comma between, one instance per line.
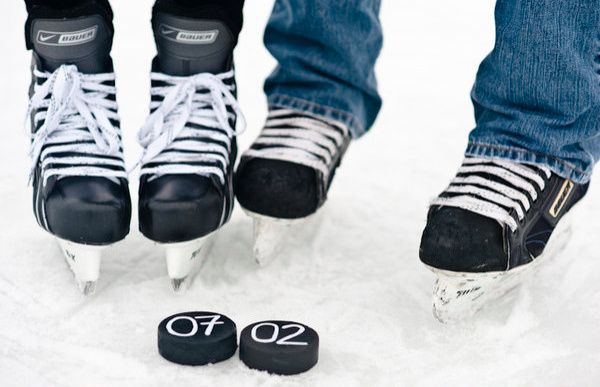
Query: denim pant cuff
x=289, y=102
x=556, y=165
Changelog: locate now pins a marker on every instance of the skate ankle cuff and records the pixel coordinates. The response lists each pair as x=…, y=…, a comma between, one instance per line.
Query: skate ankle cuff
x=85, y=8
x=227, y=11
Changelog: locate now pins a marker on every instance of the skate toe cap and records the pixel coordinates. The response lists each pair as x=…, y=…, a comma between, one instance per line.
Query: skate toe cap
x=175, y=208
x=462, y=241
x=277, y=188
x=90, y=210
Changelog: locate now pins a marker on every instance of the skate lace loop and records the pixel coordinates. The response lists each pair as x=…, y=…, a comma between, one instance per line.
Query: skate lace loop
x=77, y=137
x=496, y=189
x=297, y=137
x=191, y=127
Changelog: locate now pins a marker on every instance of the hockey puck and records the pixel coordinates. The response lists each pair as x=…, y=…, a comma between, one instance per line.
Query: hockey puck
x=197, y=338
x=279, y=347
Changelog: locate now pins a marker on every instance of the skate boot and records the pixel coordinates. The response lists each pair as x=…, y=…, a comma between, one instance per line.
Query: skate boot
x=189, y=140
x=496, y=221
x=80, y=192
x=285, y=176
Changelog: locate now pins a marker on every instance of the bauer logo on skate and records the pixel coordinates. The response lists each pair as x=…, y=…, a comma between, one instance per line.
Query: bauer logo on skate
x=51, y=38
x=193, y=326
x=188, y=37
x=561, y=198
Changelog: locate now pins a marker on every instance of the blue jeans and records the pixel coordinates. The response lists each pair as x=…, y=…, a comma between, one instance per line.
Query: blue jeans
x=326, y=52
x=537, y=94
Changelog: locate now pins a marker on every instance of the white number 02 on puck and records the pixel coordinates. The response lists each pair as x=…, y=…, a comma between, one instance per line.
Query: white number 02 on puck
x=286, y=340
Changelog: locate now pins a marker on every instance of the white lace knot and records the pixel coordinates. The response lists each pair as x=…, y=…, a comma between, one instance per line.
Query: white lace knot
x=75, y=108
x=193, y=123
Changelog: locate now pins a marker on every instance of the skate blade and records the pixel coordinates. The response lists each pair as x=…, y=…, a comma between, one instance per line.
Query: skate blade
x=458, y=296
x=184, y=260
x=84, y=261
x=269, y=236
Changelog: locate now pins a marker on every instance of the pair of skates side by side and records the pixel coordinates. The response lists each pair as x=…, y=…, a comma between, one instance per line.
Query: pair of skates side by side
x=186, y=191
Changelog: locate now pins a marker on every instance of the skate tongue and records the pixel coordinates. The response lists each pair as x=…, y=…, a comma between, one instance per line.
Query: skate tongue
x=84, y=42
x=191, y=46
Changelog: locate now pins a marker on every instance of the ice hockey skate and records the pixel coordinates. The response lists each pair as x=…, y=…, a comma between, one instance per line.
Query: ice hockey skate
x=491, y=228
x=189, y=140
x=283, y=179
x=80, y=191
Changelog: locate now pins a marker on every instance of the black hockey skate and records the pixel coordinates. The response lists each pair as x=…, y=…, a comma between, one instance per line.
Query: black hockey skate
x=494, y=223
x=285, y=176
x=80, y=192
x=189, y=140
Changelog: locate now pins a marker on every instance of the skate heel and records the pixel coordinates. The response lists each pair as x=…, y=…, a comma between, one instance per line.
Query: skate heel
x=184, y=260
x=84, y=261
x=269, y=236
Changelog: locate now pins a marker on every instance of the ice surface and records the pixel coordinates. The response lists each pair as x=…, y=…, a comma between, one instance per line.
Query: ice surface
x=358, y=282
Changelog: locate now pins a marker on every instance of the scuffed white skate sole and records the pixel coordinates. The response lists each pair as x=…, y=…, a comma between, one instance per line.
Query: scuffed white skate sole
x=84, y=261
x=270, y=234
x=184, y=260
x=460, y=295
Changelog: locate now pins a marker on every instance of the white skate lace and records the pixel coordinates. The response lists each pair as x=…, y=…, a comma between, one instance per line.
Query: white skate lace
x=494, y=188
x=190, y=129
x=299, y=138
x=79, y=133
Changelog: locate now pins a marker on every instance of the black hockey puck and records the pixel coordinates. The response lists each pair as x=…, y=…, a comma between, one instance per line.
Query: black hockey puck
x=197, y=338
x=279, y=347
